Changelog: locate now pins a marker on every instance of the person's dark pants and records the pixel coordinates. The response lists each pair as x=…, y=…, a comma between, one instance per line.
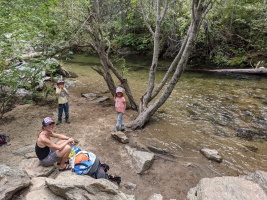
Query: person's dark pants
x=62, y=107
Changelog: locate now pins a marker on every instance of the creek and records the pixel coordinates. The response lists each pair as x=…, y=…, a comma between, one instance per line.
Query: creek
x=223, y=112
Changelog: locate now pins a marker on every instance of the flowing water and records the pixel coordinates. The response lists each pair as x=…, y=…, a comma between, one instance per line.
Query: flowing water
x=204, y=110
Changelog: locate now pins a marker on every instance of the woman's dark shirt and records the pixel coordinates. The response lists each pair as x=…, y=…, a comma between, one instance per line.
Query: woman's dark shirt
x=41, y=153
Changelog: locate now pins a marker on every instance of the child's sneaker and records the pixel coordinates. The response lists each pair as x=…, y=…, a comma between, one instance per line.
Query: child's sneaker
x=116, y=129
x=58, y=122
x=68, y=121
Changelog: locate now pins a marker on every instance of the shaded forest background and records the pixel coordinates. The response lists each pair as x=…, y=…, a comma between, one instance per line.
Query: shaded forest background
x=233, y=35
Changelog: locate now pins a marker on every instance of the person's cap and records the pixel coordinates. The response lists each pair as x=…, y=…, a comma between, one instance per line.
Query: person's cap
x=60, y=82
x=119, y=89
x=47, y=121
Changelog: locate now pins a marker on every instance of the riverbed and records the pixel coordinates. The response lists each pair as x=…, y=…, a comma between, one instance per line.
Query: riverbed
x=204, y=111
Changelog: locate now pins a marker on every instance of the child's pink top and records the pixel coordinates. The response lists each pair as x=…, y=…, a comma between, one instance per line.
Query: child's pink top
x=120, y=104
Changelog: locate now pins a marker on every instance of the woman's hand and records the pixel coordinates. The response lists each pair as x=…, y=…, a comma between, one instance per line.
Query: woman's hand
x=71, y=141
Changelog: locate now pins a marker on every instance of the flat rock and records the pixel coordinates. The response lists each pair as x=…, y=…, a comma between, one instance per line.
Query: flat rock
x=120, y=136
x=211, y=154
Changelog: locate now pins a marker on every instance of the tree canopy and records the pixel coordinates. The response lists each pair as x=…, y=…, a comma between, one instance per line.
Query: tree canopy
x=233, y=34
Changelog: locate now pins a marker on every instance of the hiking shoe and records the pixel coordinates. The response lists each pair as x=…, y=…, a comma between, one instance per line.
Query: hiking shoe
x=115, y=179
x=68, y=121
x=105, y=167
x=116, y=129
x=58, y=122
x=123, y=129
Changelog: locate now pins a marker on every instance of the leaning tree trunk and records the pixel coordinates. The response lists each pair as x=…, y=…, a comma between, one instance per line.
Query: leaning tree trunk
x=98, y=43
x=147, y=97
x=198, y=12
x=107, y=66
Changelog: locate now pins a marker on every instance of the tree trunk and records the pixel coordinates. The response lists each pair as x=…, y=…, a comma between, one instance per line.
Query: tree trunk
x=199, y=10
x=98, y=43
x=146, y=98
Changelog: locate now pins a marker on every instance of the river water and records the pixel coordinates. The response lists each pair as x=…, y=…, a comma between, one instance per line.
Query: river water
x=204, y=111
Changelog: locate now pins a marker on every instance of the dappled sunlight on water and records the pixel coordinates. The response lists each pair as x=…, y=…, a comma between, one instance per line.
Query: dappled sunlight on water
x=204, y=110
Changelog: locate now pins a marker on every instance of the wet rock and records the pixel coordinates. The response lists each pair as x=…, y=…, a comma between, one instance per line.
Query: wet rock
x=251, y=148
x=160, y=151
x=245, y=133
x=251, y=135
x=156, y=149
x=211, y=154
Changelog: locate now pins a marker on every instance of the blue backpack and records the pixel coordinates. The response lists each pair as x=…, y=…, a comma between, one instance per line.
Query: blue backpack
x=82, y=167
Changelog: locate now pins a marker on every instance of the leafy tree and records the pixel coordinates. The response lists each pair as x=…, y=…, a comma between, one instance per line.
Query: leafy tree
x=234, y=29
x=152, y=100
x=26, y=27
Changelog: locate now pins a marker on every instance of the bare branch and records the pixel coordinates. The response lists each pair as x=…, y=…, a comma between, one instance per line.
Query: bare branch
x=145, y=18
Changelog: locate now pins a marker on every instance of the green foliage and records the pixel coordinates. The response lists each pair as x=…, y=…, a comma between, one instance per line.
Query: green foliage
x=140, y=43
x=28, y=76
x=220, y=59
x=238, y=62
x=234, y=29
x=121, y=63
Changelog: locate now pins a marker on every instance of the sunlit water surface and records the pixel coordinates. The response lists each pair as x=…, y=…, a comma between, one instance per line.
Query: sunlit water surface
x=204, y=110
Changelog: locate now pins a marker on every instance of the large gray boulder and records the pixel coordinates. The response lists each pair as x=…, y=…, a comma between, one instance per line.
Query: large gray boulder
x=142, y=161
x=12, y=179
x=226, y=188
x=39, y=190
x=259, y=177
x=33, y=168
x=81, y=187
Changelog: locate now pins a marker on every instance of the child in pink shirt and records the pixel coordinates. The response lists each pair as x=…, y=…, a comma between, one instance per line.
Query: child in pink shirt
x=120, y=106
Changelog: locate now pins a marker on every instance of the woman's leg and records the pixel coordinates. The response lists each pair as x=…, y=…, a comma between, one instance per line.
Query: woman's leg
x=63, y=154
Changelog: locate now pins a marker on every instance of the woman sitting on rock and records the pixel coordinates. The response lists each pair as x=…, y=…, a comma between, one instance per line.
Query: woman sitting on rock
x=49, y=152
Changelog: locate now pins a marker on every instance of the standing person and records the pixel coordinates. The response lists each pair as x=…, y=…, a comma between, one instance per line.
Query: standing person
x=120, y=106
x=49, y=152
x=63, y=104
